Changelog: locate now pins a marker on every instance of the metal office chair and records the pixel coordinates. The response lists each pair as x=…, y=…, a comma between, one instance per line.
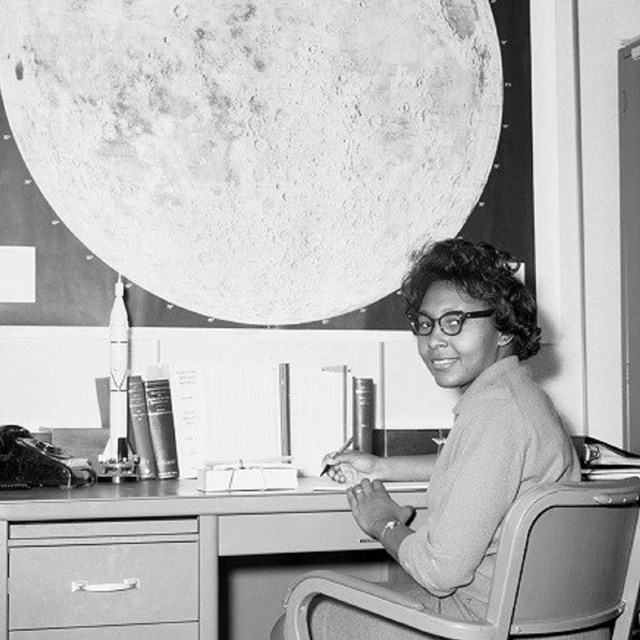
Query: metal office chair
x=569, y=559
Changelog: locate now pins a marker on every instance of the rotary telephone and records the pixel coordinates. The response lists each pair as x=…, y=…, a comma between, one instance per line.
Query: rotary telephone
x=26, y=462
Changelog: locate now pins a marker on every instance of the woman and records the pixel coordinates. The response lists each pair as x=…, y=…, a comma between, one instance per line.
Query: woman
x=475, y=323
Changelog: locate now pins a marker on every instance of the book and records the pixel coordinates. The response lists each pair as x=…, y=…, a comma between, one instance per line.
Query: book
x=187, y=391
x=594, y=453
x=285, y=409
x=161, y=427
x=252, y=477
x=139, y=432
x=610, y=473
x=364, y=413
x=603, y=461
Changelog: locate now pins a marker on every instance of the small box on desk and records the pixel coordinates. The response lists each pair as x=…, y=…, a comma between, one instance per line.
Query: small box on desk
x=407, y=442
x=256, y=478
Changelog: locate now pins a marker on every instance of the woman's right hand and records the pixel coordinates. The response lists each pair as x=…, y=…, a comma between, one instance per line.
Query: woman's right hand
x=351, y=467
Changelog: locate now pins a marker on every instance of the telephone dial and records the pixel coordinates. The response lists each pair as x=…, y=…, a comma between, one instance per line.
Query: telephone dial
x=27, y=462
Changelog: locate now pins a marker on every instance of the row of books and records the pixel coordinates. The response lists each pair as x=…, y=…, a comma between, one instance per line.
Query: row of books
x=152, y=434
x=227, y=413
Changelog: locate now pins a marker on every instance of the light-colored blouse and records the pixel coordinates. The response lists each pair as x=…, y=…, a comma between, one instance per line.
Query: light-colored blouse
x=506, y=438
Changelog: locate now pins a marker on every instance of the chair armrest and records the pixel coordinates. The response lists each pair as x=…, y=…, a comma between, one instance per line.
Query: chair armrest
x=375, y=598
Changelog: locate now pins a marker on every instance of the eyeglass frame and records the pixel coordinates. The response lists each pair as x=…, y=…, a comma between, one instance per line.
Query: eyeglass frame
x=412, y=317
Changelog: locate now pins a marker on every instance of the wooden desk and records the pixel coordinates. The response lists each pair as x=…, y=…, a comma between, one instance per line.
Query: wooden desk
x=145, y=557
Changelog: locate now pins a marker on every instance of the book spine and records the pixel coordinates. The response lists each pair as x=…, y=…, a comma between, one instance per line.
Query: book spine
x=364, y=414
x=139, y=432
x=285, y=409
x=162, y=428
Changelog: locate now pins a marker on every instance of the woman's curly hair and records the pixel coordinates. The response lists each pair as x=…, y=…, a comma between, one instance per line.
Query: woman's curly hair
x=484, y=273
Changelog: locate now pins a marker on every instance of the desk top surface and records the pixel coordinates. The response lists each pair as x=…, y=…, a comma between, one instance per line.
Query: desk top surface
x=170, y=498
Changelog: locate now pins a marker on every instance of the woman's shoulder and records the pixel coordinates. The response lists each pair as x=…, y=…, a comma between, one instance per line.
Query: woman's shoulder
x=513, y=402
x=518, y=387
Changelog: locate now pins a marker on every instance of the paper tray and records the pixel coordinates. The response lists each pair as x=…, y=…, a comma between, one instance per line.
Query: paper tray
x=247, y=479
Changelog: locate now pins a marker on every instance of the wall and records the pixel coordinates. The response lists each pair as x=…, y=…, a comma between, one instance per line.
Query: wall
x=47, y=376
x=560, y=365
x=575, y=47
x=604, y=27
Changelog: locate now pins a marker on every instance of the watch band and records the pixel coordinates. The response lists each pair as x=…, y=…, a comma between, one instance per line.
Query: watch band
x=392, y=524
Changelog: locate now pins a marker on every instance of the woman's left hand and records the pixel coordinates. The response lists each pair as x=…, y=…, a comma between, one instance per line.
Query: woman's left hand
x=373, y=507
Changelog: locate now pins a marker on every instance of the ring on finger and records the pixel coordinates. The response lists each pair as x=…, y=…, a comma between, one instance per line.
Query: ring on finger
x=358, y=490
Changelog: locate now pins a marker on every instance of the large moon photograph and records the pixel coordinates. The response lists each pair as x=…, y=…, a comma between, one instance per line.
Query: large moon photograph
x=266, y=161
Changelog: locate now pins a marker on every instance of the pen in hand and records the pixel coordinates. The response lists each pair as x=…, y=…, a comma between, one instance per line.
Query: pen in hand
x=342, y=449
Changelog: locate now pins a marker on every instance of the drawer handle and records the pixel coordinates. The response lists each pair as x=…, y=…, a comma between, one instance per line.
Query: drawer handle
x=367, y=540
x=106, y=587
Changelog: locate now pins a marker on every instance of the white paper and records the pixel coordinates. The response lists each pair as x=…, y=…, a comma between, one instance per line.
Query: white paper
x=17, y=274
x=243, y=412
x=318, y=415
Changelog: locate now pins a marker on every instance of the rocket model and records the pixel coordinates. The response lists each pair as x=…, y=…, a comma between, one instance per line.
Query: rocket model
x=119, y=373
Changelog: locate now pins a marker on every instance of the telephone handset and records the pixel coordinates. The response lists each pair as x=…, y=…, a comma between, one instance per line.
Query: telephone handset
x=27, y=462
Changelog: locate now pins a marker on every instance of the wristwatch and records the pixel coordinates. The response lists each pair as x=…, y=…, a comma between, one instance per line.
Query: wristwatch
x=392, y=524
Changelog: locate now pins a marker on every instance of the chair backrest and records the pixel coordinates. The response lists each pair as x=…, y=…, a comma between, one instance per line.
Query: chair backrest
x=569, y=559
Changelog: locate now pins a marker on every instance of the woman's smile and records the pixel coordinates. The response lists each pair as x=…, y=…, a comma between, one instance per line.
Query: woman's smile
x=442, y=364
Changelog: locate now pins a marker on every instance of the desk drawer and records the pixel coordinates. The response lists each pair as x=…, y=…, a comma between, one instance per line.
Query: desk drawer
x=102, y=528
x=44, y=589
x=293, y=533
x=175, y=631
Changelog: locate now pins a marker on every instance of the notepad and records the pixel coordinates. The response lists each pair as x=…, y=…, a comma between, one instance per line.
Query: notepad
x=328, y=485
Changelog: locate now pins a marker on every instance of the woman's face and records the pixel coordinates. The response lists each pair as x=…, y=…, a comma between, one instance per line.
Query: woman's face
x=456, y=361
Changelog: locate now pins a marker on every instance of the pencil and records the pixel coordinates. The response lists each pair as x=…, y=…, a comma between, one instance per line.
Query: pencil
x=342, y=449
